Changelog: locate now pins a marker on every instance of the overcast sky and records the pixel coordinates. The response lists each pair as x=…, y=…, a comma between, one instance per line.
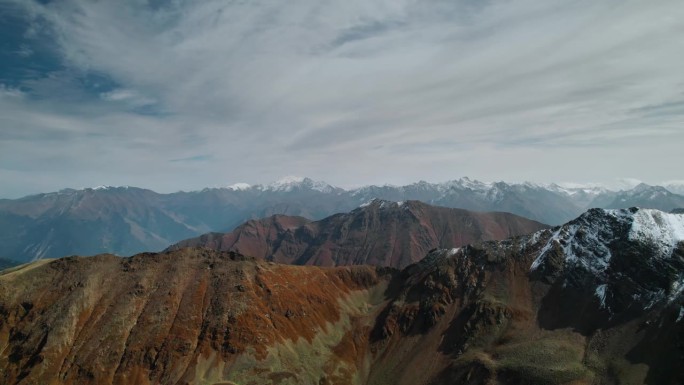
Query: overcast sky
x=174, y=95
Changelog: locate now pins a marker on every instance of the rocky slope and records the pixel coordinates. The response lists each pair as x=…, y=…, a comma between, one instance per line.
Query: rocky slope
x=380, y=233
x=596, y=301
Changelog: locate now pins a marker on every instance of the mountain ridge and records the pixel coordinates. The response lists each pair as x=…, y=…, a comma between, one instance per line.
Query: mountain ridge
x=378, y=232
x=126, y=220
x=478, y=314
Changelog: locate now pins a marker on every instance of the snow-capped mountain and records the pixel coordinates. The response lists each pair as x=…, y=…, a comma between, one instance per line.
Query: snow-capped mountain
x=125, y=220
x=642, y=195
x=676, y=187
x=631, y=259
x=293, y=183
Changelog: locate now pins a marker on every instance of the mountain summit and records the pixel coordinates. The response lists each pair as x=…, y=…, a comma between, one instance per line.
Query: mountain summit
x=379, y=232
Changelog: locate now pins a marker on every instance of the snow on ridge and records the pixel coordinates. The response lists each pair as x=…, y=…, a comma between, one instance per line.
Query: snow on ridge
x=581, y=244
x=240, y=186
x=584, y=241
x=664, y=230
x=105, y=187
x=571, y=189
x=384, y=203
x=288, y=183
x=601, y=294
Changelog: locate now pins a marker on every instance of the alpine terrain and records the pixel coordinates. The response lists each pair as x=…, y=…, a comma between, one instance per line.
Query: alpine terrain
x=598, y=300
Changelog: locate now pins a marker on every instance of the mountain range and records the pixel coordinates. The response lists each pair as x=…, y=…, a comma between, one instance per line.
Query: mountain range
x=381, y=233
x=128, y=220
x=598, y=300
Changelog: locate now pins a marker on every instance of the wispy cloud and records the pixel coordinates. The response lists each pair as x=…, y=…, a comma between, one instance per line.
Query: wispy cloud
x=400, y=90
x=196, y=158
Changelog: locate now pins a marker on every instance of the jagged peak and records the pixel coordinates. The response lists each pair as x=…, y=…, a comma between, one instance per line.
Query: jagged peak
x=585, y=240
x=597, y=243
x=107, y=188
x=290, y=183
x=240, y=186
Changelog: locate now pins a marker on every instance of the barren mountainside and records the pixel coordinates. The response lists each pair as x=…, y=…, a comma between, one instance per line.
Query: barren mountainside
x=380, y=233
x=596, y=301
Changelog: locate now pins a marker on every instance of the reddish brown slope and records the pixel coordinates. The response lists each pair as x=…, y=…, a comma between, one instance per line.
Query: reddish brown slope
x=381, y=233
x=183, y=317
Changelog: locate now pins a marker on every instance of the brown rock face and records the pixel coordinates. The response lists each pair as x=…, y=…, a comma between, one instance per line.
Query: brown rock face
x=381, y=233
x=190, y=316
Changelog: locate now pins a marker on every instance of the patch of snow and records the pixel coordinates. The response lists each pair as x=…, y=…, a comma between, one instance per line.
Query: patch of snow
x=286, y=183
x=681, y=314
x=572, y=189
x=462, y=184
x=453, y=251
x=534, y=237
x=653, y=297
x=103, y=187
x=322, y=187
x=289, y=183
x=676, y=288
x=601, y=294
x=239, y=187
x=675, y=186
x=663, y=230
x=581, y=244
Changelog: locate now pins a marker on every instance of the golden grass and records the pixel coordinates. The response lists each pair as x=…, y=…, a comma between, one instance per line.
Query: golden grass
x=555, y=359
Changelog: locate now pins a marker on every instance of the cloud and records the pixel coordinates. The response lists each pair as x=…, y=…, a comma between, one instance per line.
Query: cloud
x=10, y=92
x=131, y=97
x=390, y=87
x=196, y=158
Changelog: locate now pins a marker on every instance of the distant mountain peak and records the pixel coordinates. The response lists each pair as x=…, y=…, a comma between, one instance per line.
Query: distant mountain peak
x=240, y=186
x=473, y=184
x=106, y=188
x=290, y=183
x=641, y=187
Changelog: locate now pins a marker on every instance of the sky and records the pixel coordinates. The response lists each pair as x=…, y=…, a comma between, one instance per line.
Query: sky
x=181, y=95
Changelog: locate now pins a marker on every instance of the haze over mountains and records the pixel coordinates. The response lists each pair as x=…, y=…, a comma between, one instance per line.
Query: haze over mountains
x=127, y=220
x=597, y=300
